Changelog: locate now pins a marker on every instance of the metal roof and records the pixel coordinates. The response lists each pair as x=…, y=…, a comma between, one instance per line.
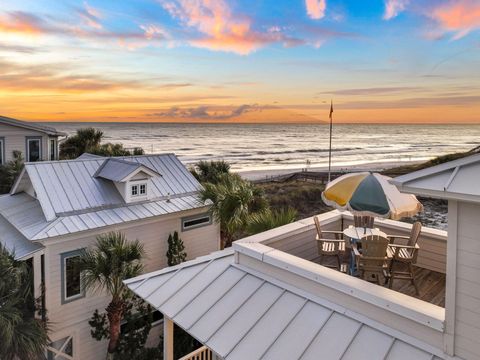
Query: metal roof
x=15, y=242
x=67, y=187
x=69, y=199
x=32, y=126
x=24, y=213
x=244, y=314
x=456, y=179
x=119, y=170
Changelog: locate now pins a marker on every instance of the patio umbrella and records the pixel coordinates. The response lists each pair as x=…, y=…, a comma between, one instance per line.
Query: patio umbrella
x=370, y=194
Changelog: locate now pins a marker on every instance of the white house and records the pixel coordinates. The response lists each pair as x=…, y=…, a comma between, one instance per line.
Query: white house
x=36, y=142
x=57, y=208
x=266, y=298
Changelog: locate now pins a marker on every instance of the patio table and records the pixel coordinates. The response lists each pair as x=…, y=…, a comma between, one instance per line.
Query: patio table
x=355, y=234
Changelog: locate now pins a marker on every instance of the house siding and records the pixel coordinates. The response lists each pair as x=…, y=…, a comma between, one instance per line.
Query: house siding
x=467, y=304
x=15, y=139
x=72, y=318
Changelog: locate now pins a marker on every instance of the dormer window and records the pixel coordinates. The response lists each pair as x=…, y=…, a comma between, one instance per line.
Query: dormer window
x=138, y=190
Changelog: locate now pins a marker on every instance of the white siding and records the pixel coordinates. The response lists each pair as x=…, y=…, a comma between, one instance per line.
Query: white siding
x=15, y=139
x=73, y=316
x=467, y=303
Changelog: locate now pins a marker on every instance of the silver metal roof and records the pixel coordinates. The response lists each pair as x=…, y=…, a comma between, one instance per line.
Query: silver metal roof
x=67, y=187
x=70, y=199
x=24, y=213
x=118, y=170
x=15, y=242
x=456, y=179
x=31, y=125
x=243, y=314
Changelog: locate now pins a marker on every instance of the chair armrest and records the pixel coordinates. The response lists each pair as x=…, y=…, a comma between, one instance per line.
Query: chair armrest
x=332, y=232
x=330, y=240
x=393, y=237
x=404, y=246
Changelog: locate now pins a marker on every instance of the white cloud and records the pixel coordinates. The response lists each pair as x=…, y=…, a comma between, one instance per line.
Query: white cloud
x=394, y=7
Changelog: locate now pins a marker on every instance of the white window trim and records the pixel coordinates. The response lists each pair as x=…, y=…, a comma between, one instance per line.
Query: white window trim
x=55, y=154
x=39, y=139
x=138, y=196
x=196, y=217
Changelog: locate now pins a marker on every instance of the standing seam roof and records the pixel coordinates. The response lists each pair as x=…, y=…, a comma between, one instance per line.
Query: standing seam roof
x=240, y=315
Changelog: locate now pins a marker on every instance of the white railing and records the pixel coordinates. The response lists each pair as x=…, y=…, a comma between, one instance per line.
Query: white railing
x=203, y=353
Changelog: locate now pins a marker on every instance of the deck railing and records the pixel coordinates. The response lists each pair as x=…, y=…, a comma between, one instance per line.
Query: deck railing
x=203, y=353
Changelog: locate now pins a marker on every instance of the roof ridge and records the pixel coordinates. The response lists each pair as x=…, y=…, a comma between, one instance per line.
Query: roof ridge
x=99, y=158
x=32, y=125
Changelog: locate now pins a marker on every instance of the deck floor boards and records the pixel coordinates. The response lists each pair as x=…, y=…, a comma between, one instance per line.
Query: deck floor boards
x=431, y=284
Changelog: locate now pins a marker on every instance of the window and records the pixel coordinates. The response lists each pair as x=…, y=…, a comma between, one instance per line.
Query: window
x=34, y=149
x=72, y=288
x=53, y=149
x=61, y=349
x=196, y=221
x=138, y=190
x=134, y=190
x=2, y=151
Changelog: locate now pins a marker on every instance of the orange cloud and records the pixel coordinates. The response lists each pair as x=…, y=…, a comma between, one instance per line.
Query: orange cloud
x=461, y=17
x=220, y=27
x=316, y=8
x=19, y=22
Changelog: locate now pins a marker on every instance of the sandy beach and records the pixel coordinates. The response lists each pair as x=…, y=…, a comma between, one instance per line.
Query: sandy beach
x=253, y=175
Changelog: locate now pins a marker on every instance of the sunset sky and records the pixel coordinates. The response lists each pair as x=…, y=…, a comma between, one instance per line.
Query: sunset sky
x=240, y=61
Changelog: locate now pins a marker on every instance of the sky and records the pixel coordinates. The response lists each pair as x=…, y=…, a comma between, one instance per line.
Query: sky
x=388, y=61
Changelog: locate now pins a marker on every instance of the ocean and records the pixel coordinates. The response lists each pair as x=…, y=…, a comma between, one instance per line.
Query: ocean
x=290, y=146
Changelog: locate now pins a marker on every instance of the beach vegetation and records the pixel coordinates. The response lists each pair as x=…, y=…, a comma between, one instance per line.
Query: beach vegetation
x=234, y=200
x=89, y=140
x=103, y=268
x=22, y=336
x=270, y=219
x=210, y=171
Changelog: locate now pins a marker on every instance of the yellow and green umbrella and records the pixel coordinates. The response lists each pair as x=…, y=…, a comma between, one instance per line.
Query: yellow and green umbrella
x=370, y=194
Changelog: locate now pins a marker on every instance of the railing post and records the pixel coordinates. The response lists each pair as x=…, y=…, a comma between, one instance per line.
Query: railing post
x=167, y=339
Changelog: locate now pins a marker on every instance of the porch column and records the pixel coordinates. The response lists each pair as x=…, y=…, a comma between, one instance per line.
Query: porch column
x=167, y=338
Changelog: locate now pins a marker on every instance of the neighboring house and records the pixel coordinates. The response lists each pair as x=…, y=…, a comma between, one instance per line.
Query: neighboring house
x=266, y=298
x=36, y=142
x=57, y=208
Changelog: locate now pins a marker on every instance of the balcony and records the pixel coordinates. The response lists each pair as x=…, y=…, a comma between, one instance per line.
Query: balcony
x=298, y=239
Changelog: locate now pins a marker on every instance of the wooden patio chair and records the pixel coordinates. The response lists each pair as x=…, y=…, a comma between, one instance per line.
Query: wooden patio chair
x=405, y=252
x=329, y=247
x=372, y=260
x=363, y=221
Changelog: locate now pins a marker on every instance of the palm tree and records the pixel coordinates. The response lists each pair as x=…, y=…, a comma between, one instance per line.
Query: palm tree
x=21, y=335
x=210, y=171
x=270, y=219
x=234, y=199
x=84, y=140
x=104, y=267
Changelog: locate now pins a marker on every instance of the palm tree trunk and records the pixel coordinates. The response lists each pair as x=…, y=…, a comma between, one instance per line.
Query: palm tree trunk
x=114, y=314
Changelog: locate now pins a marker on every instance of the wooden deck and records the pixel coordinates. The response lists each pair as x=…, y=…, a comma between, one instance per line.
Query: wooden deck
x=431, y=284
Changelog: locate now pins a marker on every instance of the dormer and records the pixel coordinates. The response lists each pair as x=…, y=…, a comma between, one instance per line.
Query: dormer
x=132, y=179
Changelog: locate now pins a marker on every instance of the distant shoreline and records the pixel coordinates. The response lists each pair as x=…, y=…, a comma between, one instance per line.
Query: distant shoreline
x=260, y=174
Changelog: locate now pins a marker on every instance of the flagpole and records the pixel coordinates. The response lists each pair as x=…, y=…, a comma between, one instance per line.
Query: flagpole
x=330, y=146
